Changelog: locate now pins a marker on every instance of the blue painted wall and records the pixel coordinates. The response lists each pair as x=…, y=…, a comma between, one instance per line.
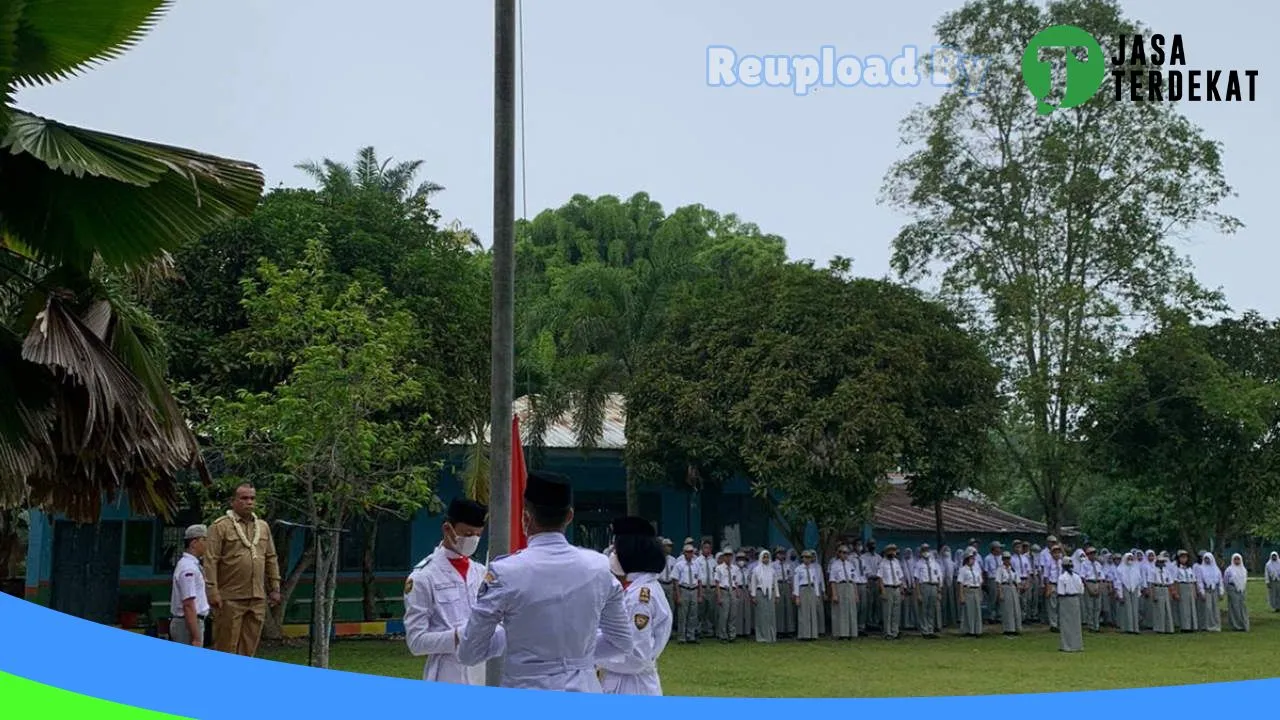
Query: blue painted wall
x=601, y=474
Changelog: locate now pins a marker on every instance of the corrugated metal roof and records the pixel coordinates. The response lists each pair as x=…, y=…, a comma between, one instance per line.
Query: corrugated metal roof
x=560, y=434
x=959, y=514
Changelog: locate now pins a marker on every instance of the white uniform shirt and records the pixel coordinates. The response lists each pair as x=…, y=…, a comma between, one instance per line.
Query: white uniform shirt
x=560, y=606
x=1007, y=575
x=807, y=578
x=706, y=567
x=724, y=577
x=970, y=576
x=1070, y=584
x=842, y=571
x=685, y=572
x=891, y=572
x=929, y=570
x=669, y=573
x=870, y=564
x=636, y=673
x=437, y=602
x=188, y=582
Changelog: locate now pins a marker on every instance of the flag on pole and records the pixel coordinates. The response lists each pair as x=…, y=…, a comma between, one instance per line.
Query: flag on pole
x=518, y=475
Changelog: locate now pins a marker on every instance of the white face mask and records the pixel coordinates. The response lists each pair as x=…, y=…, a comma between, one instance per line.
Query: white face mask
x=742, y=563
x=615, y=566
x=465, y=546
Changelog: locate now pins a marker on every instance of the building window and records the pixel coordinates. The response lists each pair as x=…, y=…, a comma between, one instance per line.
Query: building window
x=169, y=547
x=138, y=537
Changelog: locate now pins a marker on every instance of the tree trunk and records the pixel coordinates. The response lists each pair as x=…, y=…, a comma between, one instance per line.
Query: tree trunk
x=273, y=629
x=633, y=494
x=324, y=596
x=367, y=578
x=937, y=524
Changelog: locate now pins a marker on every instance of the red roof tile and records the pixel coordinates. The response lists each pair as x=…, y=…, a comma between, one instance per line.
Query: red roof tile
x=895, y=512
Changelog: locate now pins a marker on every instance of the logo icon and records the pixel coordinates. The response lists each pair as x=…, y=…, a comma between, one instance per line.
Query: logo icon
x=1083, y=78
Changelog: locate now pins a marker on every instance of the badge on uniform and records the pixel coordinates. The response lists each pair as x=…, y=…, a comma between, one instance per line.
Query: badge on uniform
x=644, y=594
x=408, y=585
x=642, y=621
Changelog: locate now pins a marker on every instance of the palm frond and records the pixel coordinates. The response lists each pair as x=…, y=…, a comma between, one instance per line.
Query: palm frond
x=57, y=39
x=108, y=434
x=70, y=194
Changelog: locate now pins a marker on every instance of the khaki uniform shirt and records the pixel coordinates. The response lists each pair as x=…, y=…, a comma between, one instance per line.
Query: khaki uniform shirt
x=231, y=571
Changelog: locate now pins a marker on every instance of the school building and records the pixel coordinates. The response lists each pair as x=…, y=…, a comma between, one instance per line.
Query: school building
x=118, y=571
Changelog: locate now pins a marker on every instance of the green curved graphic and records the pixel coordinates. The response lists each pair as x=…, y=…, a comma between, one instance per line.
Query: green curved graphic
x=20, y=697
x=1083, y=79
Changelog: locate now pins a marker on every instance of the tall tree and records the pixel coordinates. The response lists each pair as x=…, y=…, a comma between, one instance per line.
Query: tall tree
x=1053, y=232
x=85, y=411
x=597, y=276
x=1174, y=420
x=331, y=424
x=801, y=379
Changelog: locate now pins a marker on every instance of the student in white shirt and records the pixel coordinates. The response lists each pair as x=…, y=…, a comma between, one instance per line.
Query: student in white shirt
x=1069, y=589
x=188, y=603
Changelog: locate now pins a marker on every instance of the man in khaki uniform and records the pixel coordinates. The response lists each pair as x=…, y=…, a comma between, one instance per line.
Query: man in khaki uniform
x=243, y=575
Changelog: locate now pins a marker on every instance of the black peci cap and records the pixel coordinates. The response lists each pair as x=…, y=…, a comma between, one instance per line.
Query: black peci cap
x=548, y=490
x=468, y=512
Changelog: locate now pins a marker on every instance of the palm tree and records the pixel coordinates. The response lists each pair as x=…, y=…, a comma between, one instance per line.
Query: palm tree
x=369, y=175
x=85, y=411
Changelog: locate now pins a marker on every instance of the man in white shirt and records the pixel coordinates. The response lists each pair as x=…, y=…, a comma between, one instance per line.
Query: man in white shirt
x=439, y=595
x=188, y=602
x=666, y=578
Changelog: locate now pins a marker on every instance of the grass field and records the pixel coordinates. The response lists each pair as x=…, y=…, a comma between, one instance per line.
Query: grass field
x=952, y=665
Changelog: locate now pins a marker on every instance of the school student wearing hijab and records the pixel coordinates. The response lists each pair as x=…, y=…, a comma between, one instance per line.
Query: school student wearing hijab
x=1236, y=580
x=1162, y=595
x=1209, y=577
x=1186, y=593
x=1273, y=582
x=807, y=591
x=1148, y=597
x=1128, y=590
x=764, y=595
x=947, y=591
x=641, y=560
x=969, y=584
x=1069, y=589
x=1010, y=599
x=909, y=593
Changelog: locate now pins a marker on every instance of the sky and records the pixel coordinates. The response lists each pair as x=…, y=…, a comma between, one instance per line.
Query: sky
x=616, y=101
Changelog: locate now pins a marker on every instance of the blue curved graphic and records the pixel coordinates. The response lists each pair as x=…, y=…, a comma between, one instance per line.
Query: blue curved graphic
x=53, y=649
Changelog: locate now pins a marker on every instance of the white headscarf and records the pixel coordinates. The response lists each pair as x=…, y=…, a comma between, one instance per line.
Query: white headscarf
x=1236, y=576
x=1273, y=567
x=1209, y=573
x=763, y=576
x=1130, y=573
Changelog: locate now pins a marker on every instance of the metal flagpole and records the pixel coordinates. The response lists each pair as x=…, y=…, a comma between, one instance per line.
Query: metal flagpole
x=503, y=309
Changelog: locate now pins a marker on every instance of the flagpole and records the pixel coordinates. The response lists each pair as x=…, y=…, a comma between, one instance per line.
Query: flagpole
x=503, y=310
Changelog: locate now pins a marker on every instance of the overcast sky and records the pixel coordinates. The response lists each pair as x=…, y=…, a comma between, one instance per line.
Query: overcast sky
x=618, y=102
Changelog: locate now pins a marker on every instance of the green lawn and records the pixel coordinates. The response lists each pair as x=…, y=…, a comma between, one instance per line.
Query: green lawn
x=871, y=667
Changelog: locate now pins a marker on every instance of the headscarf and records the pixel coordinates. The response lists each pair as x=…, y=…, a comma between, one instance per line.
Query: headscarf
x=1236, y=575
x=1273, y=567
x=1130, y=573
x=1209, y=573
x=763, y=576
